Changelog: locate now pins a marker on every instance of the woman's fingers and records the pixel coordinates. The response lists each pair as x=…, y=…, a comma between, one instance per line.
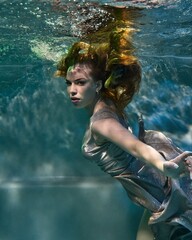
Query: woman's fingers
x=182, y=157
x=184, y=160
x=189, y=165
x=189, y=162
x=179, y=166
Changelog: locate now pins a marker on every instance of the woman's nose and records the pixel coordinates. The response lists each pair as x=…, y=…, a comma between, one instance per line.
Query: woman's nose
x=73, y=89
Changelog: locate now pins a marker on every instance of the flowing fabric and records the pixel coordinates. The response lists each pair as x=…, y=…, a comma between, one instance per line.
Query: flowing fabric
x=168, y=200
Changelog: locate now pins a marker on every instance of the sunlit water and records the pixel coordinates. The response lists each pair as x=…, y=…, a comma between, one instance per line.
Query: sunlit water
x=40, y=133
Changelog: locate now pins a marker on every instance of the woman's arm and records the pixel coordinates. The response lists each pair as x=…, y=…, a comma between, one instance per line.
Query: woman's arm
x=113, y=131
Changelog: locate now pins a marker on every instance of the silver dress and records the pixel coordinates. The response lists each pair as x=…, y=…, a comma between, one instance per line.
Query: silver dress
x=168, y=200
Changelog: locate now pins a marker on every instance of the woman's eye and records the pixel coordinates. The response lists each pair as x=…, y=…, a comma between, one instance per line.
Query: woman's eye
x=81, y=83
x=67, y=83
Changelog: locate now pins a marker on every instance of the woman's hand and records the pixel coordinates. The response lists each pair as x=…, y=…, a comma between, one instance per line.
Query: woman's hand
x=181, y=165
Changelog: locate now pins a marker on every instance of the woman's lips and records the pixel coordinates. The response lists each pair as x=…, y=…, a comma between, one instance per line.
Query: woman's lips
x=75, y=100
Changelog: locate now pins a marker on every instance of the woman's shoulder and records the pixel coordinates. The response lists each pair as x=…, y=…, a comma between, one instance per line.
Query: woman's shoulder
x=101, y=119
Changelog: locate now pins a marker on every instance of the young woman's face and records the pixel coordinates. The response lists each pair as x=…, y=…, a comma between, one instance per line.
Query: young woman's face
x=81, y=86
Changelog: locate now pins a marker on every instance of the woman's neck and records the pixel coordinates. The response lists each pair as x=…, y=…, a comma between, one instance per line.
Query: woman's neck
x=104, y=103
x=91, y=108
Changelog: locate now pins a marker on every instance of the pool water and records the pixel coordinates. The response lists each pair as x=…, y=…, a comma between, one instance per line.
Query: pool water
x=48, y=190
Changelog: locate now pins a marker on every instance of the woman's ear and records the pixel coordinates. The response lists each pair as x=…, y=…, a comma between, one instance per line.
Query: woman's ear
x=98, y=86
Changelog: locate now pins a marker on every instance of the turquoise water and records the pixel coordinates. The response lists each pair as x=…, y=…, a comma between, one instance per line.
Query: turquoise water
x=48, y=190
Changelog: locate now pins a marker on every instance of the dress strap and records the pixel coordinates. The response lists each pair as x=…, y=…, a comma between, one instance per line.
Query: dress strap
x=141, y=134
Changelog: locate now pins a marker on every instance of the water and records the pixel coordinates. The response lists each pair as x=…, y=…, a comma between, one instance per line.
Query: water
x=47, y=189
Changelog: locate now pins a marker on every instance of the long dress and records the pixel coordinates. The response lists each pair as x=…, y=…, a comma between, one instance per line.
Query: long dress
x=168, y=200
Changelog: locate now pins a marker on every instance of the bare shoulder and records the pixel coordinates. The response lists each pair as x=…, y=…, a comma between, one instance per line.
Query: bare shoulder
x=108, y=127
x=106, y=121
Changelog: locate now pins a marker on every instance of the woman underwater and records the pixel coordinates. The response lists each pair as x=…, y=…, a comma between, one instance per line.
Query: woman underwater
x=103, y=79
